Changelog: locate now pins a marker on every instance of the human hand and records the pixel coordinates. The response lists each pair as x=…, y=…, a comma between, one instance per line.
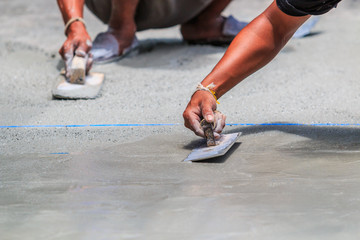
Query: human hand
x=203, y=105
x=78, y=43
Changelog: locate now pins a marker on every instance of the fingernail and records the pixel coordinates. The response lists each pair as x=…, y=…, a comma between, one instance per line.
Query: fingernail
x=80, y=53
x=209, y=118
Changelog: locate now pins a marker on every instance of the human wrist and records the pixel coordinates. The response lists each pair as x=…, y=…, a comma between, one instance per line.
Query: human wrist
x=76, y=24
x=214, y=85
x=207, y=88
x=220, y=81
x=76, y=28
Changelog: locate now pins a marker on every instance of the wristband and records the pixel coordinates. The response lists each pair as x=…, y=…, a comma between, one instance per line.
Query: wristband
x=67, y=25
x=209, y=88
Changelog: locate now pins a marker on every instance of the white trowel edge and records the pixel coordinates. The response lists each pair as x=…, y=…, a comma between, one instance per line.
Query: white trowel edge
x=223, y=145
x=90, y=89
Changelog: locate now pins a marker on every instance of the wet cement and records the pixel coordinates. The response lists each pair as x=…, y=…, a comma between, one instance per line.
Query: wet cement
x=277, y=183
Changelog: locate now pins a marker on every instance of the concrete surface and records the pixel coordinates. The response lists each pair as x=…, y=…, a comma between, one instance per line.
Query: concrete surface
x=128, y=182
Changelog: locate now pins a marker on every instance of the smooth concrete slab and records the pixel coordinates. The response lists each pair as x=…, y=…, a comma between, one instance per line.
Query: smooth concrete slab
x=278, y=183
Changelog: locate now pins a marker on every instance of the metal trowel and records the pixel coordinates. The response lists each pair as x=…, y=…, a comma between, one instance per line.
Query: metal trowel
x=212, y=148
x=78, y=85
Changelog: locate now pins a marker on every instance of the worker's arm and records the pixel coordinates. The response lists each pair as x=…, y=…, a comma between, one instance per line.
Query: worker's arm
x=255, y=46
x=78, y=41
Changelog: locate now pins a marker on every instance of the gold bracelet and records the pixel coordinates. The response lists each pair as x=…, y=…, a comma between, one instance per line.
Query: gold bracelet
x=67, y=25
x=208, y=88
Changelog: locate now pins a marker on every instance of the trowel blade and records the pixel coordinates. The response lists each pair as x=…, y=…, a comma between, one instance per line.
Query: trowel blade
x=222, y=146
x=89, y=90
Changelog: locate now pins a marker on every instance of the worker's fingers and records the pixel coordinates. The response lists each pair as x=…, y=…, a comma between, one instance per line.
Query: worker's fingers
x=208, y=106
x=197, y=129
x=89, y=63
x=77, y=43
x=67, y=54
x=192, y=122
x=220, y=122
x=217, y=135
x=207, y=113
x=68, y=57
x=201, y=105
x=82, y=47
x=192, y=119
x=66, y=48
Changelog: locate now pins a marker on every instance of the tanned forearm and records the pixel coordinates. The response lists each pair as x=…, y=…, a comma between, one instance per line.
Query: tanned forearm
x=254, y=47
x=78, y=41
x=70, y=9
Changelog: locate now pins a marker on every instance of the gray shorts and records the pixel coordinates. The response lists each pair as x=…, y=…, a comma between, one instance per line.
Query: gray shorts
x=154, y=13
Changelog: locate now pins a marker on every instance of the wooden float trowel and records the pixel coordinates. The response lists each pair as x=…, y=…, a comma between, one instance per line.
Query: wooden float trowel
x=78, y=85
x=212, y=148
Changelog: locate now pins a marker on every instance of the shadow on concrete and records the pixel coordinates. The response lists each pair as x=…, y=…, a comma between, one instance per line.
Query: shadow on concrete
x=195, y=144
x=324, y=140
x=60, y=65
x=327, y=133
x=312, y=34
x=321, y=138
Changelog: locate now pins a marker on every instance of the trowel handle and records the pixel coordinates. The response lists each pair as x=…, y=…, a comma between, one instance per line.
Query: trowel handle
x=78, y=70
x=209, y=132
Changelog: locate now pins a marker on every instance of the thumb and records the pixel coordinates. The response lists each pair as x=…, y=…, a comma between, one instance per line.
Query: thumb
x=82, y=49
x=208, y=113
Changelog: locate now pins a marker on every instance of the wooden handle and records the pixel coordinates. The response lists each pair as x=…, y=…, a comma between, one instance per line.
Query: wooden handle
x=209, y=132
x=78, y=70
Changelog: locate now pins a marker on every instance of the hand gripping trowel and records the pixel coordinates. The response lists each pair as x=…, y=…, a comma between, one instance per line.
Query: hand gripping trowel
x=212, y=148
x=78, y=85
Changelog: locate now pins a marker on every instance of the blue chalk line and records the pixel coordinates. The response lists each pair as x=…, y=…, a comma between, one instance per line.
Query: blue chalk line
x=91, y=125
x=175, y=124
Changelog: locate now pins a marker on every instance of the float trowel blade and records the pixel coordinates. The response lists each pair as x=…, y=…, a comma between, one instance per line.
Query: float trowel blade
x=222, y=146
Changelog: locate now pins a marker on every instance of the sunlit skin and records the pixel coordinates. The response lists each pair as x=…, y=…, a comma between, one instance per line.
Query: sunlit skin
x=255, y=46
x=208, y=24
x=78, y=41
